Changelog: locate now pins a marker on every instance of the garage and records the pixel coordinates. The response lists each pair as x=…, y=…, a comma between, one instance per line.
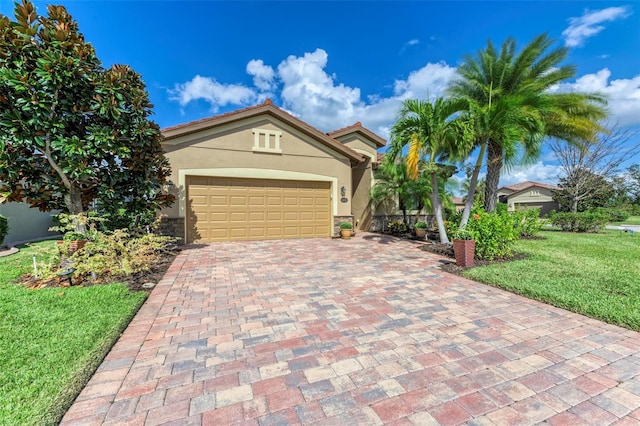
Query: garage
x=236, y=209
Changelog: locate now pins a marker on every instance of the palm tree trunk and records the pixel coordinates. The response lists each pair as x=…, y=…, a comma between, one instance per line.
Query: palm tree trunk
x=437, y=209
x=472, y=187
x=494, y=167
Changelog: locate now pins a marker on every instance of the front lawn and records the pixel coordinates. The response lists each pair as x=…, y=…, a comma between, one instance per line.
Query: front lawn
x=632, y=220
x=51, y=340
x=597, y=275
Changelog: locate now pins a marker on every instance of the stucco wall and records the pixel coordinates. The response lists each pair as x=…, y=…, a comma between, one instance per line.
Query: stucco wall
x=25, y=223
x=534, y=195
x=227, y=150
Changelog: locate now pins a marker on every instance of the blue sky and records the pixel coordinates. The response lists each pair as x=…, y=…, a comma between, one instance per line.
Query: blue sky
x=335, y=63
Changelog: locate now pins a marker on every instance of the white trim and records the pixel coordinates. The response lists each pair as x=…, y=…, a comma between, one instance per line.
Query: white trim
x=266, y=145
x=253, y=173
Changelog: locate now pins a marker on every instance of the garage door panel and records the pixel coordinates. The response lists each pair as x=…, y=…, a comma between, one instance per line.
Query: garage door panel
x=224, y=209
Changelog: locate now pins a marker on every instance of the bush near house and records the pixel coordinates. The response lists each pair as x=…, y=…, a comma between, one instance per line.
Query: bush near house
x=397, y=227
x=4, y=228
x=579, y=222
x=613, y=215
x=495, y=233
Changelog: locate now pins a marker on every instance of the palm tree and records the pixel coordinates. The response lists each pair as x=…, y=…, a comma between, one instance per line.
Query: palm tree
x=512, y=107
x=431, y=134
x=393, y=185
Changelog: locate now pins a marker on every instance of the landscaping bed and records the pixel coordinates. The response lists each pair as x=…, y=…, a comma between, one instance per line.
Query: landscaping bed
x=52, y=338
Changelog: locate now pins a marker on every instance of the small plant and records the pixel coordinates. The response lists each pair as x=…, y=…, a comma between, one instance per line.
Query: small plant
x=420, y=225
x=346, y=225
x=397, y=227
x=463, y=234
x=4, y=228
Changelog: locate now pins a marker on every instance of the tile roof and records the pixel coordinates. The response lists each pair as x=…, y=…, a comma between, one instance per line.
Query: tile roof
x=266, y=108
x=527, y=184
x=357, y=127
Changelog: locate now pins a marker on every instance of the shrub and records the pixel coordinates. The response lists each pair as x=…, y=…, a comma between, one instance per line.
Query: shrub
x=4, y=228
x=579, y=222
x=118, y=253
x=420, y=225
x=346, y=225
x=528, y=222
x=463, y=234
x=614, y=215
x=495, y=233
x=397, y=227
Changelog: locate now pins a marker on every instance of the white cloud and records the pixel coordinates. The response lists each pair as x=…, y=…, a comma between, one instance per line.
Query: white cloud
x=263, y=75
x=312, y=93
x=624, y=94
x=209, y=90
x=589, y=24
x=538, y=172
x=412, y=42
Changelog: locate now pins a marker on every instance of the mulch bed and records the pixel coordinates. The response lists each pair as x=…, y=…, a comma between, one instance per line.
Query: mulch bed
x=446, y=250
x=134, y=281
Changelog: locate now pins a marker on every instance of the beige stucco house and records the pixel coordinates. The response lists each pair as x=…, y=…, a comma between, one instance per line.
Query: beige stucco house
x=527, y=195
x=25, y=223
x=261, y=173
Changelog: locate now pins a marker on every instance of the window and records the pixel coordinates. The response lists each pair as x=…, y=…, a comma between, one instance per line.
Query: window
x=267, y=141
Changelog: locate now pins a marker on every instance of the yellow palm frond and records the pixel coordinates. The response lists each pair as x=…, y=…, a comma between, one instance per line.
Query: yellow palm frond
x=413, y=156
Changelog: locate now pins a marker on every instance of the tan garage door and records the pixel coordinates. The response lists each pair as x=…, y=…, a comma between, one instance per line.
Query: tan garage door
x=224, y=209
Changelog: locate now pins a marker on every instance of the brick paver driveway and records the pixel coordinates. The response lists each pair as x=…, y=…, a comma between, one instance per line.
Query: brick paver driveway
x=366, y=331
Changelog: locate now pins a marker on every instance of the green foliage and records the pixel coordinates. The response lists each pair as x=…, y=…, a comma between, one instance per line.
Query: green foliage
x=118, y=253
x=592, y=274
x=528, y=222
x=613, y=215
x=397, y=227
x=420, y=225
x=346, y=225
x=579, y=222
x=512, y=108
x=4, y=228
x=582, y=190
x=495, y=233
x=463, y=234
x=72, y=131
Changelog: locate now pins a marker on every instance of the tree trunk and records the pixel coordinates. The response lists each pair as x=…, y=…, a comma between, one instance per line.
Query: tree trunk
x=73, y=201
x=472, y=187
x=494, y=167
x=437, y=209
x=574, y=205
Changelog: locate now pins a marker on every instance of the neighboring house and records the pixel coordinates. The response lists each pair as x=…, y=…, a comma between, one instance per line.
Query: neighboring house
x=527, y=195
x=26, y=224
x=261, y=173
x=458, y=203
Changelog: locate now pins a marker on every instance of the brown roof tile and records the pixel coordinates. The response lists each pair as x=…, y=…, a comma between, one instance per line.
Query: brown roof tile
x=357, y=127
x=266, y=108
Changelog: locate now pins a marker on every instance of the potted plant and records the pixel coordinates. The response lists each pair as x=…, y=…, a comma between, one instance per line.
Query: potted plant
x=464, y=247
x=421, y=229
x=345, y=230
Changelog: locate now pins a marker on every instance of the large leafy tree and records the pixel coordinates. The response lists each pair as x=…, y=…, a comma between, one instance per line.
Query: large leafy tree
x=72, y=131
x=431, y=134
x=510, y=100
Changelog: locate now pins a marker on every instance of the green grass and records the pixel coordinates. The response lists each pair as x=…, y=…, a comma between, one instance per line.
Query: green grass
x=632, y=220
x=51, y=340
x=597, y=275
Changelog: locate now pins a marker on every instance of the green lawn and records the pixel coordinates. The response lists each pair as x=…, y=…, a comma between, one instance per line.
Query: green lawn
x=632, y=220
x=51, y=340
x=597, y=275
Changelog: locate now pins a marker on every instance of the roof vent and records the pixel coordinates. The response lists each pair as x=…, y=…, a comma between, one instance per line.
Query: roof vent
x=268, y=102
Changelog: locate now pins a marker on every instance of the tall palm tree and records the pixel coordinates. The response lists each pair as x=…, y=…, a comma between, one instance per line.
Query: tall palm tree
x=510, y=102
x=431, y=133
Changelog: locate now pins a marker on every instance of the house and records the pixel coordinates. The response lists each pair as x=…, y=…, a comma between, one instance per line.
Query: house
x=26, y=223
x=528, y=195
x=261, y=173
x=458, y=203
